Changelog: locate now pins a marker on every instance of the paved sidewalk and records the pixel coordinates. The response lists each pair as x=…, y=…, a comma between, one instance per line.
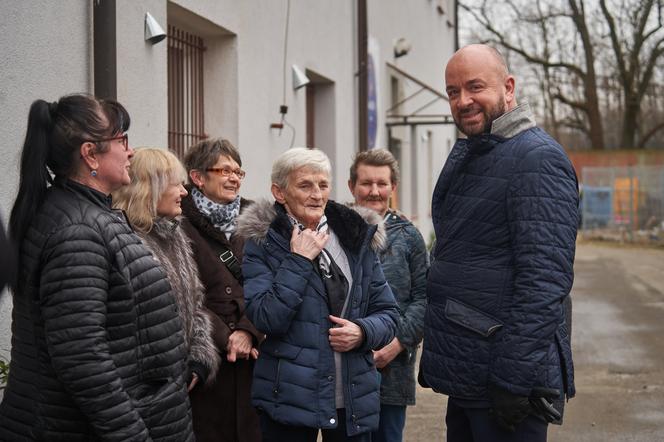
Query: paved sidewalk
x=618, y=342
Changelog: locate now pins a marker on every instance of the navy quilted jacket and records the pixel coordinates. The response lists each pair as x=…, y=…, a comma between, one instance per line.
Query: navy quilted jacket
x=505, y=215
x=294, y=379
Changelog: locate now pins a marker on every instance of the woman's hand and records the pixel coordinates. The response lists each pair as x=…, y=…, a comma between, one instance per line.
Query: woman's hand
x=307, y=242
x=345, y=336
x=194, y=381
x=387, y=354
x=239, y=346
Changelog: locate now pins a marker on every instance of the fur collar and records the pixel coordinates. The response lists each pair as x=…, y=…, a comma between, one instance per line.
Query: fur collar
x=164, y=228
x=350, y=224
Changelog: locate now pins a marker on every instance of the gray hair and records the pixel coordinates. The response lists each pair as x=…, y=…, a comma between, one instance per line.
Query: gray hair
x=296, y=158
x=206, y=153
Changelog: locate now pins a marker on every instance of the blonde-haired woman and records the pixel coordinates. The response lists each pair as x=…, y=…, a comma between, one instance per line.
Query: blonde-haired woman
x=152, y=204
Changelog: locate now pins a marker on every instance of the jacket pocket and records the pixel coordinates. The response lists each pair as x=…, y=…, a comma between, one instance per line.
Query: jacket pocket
x=149, y=397
x=368, y=357
x=282, y=352
x=567, y=366
x=280, y=349
x=470, y=318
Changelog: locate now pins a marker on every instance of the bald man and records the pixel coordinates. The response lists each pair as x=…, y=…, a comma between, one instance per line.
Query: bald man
x=505, y=212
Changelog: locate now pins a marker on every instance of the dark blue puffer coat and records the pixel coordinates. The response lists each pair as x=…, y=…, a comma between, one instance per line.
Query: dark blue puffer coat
x=505, y=215
x=285, y=298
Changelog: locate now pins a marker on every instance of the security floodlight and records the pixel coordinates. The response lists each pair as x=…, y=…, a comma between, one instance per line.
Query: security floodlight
x=153, y=32
x=401, y=47
x=300, y=79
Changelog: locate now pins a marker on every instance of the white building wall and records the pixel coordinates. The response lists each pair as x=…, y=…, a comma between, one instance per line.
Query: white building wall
x=45, y=51
x=432, y=41
x=141, y=72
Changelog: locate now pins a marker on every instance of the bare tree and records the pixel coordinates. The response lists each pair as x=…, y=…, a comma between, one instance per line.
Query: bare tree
x=637, y=41
x=566, y=43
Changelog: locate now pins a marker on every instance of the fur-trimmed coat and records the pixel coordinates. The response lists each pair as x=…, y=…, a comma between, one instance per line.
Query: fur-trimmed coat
x=294, y=379
x=172, y=248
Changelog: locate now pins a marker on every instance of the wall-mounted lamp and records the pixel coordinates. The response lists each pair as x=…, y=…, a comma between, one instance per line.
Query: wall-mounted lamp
x=401, y=47
x=153, y=32
x=300, y=79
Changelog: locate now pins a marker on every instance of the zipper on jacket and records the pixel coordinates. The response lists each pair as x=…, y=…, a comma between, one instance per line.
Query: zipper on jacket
x=275, y=391
x=349, y=399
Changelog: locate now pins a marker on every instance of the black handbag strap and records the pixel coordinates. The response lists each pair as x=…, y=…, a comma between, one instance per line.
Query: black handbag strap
x=229, y=259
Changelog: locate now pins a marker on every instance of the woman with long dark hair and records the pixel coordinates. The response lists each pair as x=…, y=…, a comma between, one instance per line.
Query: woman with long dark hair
x=97, y=345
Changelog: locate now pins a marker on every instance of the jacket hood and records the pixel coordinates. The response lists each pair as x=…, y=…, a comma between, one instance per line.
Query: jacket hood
x=349, y=224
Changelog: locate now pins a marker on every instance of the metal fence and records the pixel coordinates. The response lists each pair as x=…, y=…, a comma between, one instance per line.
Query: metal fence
x=623, y=203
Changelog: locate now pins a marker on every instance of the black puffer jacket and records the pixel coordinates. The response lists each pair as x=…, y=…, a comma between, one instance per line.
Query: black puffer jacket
x=97, y=346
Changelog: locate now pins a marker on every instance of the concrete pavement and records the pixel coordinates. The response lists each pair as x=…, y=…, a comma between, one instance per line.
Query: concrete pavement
x=618, y=344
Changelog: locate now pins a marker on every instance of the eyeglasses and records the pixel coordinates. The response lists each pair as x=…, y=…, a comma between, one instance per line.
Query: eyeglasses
x=123, y=137
x=227, y=171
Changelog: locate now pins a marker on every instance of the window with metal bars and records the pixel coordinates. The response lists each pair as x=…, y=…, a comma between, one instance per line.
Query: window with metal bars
x=186, y=122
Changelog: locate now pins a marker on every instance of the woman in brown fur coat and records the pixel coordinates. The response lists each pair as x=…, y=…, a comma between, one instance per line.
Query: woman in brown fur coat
x=222, y=412
x=152, y=205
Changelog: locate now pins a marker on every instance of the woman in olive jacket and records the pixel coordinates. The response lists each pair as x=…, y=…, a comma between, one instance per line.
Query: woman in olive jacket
x=222, y=411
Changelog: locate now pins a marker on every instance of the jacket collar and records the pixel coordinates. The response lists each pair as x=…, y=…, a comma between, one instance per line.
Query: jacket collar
x=351, y=225
x=394, y=218
x=508, y=125
x=164, y=228
x=512, y=123
x=95, y=196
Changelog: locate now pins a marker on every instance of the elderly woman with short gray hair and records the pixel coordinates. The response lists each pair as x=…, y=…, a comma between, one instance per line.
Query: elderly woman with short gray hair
x=315, y=287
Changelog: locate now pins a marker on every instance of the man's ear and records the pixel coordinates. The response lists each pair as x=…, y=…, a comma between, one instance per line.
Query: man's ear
x=278, y=194
x=88, y=153
x=196, y=178
x=351, y=188
x=510, y=97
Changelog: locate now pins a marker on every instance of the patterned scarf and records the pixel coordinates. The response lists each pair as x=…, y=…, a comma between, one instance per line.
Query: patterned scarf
x=222, y=216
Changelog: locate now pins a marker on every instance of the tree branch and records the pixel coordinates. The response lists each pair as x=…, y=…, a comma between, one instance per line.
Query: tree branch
x=648, y=72
x=648, y=135
x=532, y=58
x=615, y=43
x=579, y=105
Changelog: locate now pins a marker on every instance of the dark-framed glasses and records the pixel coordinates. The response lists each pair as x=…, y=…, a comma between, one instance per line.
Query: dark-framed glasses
x=227, y=171
x=123, y=137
